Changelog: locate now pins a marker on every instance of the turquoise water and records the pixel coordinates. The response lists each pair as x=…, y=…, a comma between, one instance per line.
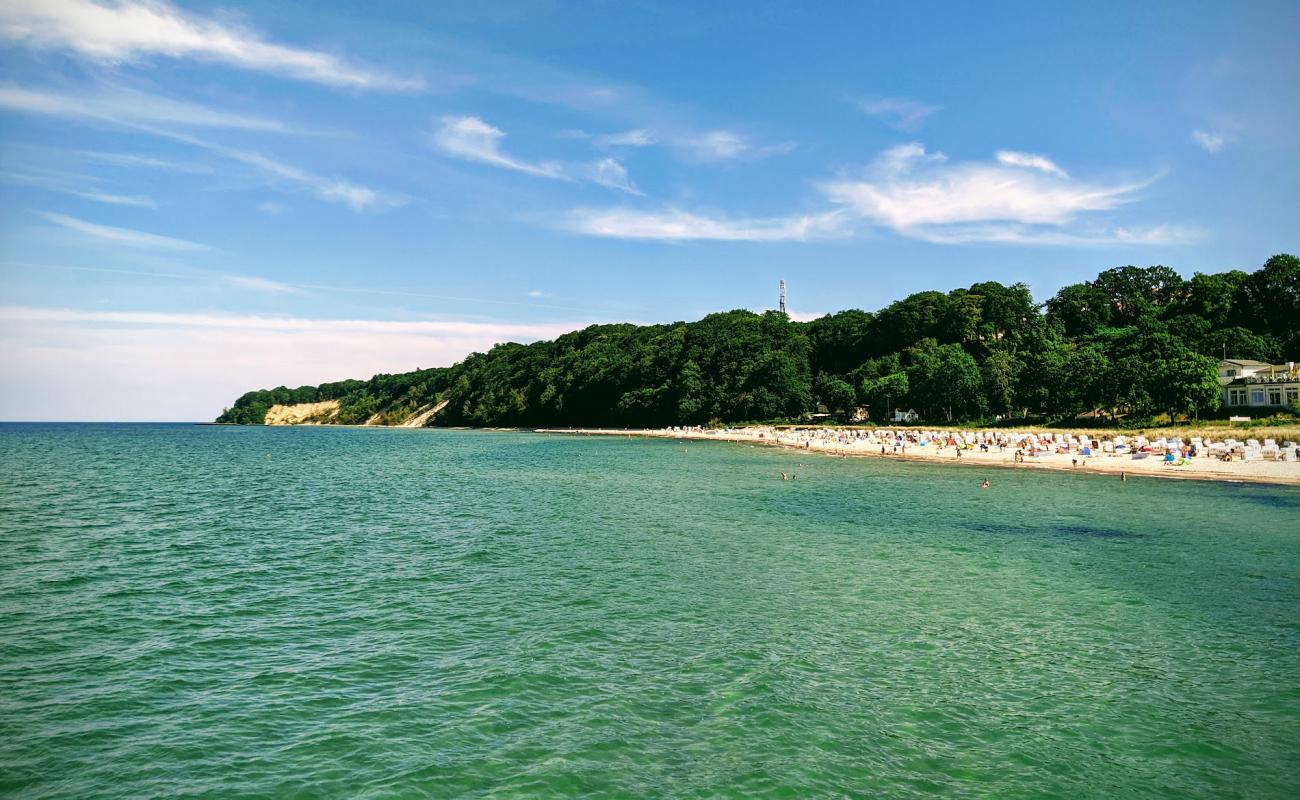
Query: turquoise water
x=308, y=612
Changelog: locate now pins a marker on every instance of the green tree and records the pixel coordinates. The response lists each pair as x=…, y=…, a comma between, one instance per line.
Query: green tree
x=945, y=379
x=882, y=394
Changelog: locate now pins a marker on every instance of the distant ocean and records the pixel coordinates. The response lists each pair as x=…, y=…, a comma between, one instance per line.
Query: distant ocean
x=355, y=613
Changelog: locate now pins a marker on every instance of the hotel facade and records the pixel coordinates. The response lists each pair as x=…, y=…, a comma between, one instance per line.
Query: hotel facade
x=1257, y=385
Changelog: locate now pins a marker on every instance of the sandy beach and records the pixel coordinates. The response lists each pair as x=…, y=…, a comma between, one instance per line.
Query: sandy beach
x=1202, y=467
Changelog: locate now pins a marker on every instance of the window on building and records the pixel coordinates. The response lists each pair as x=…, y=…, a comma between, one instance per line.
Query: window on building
x=1275, y=395
x=1236, y=397
x=1257, y=397
x=1292, y=394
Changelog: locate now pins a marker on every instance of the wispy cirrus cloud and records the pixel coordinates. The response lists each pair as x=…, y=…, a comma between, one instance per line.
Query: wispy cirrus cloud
x=639, y=137
x=260, y=284
x=611, y=174
x=899, y=112
x=354, y=195
x=690, y=145
x=1208, y=141
x=473, y=139
x=676, y=225
x=725, y=145
x=77, y=186
x=128, y=107
x=141, y=161
x=124, y=236
x=1013, y=158
x=132, y=30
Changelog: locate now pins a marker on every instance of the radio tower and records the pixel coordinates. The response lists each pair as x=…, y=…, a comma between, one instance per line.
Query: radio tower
x=782, y=297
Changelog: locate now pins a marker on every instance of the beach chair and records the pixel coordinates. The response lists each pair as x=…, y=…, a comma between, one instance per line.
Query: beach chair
x=1270, y=450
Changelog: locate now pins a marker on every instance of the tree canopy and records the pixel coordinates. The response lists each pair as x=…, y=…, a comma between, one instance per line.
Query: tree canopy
x=1136, y=341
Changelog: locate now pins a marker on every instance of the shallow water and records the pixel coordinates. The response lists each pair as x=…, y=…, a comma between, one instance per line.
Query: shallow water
x=318, y=612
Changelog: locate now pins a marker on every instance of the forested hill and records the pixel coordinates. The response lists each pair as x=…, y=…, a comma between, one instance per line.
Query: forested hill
x=1134, y=341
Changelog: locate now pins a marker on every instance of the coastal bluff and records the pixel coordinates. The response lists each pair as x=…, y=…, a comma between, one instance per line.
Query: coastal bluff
x=302, y=413
x=326, y=412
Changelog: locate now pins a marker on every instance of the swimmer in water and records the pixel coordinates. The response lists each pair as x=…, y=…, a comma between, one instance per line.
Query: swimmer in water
x=785, y=477
x=985, y=485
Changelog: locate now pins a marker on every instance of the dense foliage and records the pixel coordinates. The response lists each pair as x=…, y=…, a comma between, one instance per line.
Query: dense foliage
x=1134, y=341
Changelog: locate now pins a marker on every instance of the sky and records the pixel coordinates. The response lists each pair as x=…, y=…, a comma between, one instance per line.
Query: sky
x=201, y=199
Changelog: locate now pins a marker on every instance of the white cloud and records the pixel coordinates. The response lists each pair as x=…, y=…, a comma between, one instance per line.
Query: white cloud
x=159, y=366
x=901, y=158
x=126, y=236
x=922, y=195
x=355, y=196
x=1013, y=158
x=1019, y=198
x=717, y=144
x=640, y=137
x=117, y=199
x=675, y=225
x=473, y=139
x=271, y=209
x=610, y=173
x=538, y=293
x=148, y=162
x=127, y=107
x=130, y=30
x=1168, y=235
x=1212, y=142
x=72, y=185
x=723, y=145
x=900, y=113
x=260, y=284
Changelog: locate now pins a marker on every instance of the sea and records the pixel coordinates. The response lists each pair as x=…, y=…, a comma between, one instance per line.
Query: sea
x=317, y=612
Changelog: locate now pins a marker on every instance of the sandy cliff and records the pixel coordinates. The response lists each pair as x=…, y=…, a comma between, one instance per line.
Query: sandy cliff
x=326, y=412
x=302, y=413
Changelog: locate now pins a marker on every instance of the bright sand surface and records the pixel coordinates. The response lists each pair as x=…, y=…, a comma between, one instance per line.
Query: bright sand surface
x=1202, y=467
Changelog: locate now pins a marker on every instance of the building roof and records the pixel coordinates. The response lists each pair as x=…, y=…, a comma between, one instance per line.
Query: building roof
x=1245, y=362
x=1260, y=381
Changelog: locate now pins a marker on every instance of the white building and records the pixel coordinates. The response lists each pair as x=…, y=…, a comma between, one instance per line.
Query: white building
x=1255, y=384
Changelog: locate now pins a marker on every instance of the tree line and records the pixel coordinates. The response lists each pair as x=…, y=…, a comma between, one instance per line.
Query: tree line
x=1135, y=342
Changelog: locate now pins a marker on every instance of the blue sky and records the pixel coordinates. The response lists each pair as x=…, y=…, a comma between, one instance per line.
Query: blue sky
x=200, y=199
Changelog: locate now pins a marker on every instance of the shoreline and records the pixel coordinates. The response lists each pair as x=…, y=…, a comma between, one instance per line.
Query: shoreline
x=1277, y=473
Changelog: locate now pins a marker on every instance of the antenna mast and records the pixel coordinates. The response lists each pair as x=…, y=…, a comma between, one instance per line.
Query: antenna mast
x=783, y=297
